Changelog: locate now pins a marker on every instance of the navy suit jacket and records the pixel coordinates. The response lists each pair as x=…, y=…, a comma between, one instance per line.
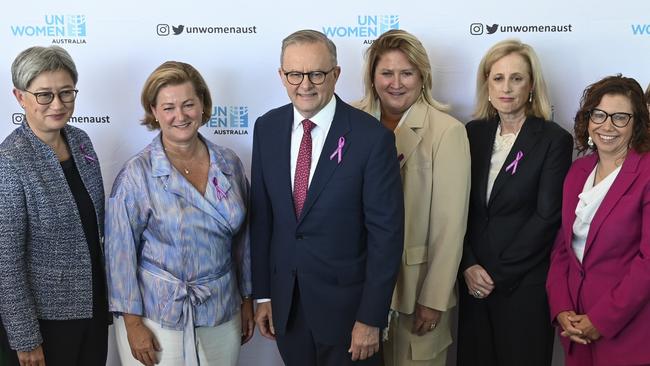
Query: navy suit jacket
x=345, y=249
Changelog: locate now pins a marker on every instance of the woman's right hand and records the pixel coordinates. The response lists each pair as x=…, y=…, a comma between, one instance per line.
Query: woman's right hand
x=142, y=341
x=477, y=279
x=568, y=329
x=34, y=357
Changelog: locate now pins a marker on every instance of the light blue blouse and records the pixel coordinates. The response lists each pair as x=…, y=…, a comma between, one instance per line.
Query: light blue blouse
x=175, y=256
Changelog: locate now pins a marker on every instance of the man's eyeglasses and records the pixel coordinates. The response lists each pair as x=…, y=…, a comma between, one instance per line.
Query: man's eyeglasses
x=315, y=77
x=65, y=96
x=619, y=119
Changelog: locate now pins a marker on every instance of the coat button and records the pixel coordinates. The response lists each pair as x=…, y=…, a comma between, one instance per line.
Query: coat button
x=299, y=237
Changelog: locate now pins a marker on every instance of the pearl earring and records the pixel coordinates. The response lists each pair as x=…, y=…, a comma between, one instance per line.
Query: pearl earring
x=590, y=142
x=530, y=97
x=489, y=98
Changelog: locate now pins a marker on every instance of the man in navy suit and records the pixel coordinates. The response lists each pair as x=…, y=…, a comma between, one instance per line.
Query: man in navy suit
x=327, y=216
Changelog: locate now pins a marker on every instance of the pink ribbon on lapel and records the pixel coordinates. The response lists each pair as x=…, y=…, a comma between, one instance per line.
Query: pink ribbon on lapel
x=339, y=150
x=220, y=192
x=86, y=156
x=515, y=163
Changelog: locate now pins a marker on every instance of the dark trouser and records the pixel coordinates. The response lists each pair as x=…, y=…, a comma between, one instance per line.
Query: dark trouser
x=80, y=342
x=510, y=329
x=299, y=348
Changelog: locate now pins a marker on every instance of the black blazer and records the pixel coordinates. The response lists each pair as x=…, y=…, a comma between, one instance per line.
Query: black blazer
x=344, y=250
x=511, y=235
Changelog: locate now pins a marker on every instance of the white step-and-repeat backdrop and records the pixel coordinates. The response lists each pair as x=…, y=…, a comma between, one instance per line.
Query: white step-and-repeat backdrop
x=236, y=46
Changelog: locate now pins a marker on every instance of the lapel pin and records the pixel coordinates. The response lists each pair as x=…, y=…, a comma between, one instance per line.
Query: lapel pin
x=515, y=163
x=339, y=150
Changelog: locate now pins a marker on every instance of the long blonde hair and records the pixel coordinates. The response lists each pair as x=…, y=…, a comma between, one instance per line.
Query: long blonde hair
x=397, y=39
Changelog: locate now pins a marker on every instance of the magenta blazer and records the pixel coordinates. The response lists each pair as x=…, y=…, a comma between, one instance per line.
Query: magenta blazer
x=612, y=284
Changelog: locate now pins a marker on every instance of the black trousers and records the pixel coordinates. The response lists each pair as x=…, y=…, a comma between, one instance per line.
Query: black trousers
x=299, y=348
x=80, y=342
x=510, y=329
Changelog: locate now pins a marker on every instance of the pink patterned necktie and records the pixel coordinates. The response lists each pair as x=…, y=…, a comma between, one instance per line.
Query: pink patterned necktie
x=303, y=166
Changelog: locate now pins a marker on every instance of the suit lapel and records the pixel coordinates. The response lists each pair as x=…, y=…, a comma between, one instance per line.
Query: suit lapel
x=406, y=139
x=526, y=141
x=326, y=166
x=625, y=178
x=571, y=198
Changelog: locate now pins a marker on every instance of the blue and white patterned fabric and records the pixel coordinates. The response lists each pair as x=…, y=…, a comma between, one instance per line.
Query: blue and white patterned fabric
x=175, y=256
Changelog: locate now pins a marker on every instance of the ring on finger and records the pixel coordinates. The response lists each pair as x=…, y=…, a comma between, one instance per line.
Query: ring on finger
x=432, y=326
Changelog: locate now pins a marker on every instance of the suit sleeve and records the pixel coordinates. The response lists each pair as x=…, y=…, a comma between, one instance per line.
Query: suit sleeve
x=261, y=220
x=557, y=287
x=534, y=240
x=17, y=307
x=383, y=207
x=617, y=307
x=241, y=241
x=468, y=258
x=447, y=219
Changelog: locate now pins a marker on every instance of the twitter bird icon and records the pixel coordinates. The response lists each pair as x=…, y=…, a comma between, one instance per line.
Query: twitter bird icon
x=491, y=29
x=178, y=29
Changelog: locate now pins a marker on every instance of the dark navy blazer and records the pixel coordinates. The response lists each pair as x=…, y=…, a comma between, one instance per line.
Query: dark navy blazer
x=344, y=250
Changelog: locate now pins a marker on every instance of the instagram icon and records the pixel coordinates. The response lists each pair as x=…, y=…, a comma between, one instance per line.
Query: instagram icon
x=476, y=29
x=17, y=118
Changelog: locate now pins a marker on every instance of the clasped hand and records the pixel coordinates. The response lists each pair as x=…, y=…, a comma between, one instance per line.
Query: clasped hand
x=578, y=328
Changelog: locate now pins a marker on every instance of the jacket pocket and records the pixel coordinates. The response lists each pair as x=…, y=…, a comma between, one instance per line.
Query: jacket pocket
x=416, y=255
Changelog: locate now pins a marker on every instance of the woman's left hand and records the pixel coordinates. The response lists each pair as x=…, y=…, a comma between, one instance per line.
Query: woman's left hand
x=247, y=321
x=583, y=323
x=426, y=319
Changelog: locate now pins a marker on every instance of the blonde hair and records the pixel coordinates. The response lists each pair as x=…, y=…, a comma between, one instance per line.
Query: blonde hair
x=412, y=48
x=539, y=107
x=173, y=73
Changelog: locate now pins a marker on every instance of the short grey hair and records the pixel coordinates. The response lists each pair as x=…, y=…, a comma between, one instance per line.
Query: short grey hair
x=35, y=60
x=309, y=36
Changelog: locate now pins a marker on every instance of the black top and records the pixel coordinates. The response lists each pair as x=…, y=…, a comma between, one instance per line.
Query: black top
x=89, y=223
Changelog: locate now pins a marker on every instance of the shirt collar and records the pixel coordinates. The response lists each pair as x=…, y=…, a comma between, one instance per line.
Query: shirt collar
x=322, y=119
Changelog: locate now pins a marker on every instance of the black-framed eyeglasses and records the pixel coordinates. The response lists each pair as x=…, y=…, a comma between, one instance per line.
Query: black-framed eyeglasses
x=315, y=77
x=619, y=119
x=65, y=96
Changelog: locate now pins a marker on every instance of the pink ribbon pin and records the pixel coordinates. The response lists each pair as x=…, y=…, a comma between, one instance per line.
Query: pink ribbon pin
x=339, y=150
x=515, y=163
x=221, y=194
x=86, y=156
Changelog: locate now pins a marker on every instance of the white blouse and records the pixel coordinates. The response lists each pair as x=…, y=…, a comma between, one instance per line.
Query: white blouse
x=500, y=150
x=589, y=202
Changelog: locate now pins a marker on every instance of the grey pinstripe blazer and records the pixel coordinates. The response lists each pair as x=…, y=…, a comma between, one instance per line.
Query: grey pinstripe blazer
x=45, y=269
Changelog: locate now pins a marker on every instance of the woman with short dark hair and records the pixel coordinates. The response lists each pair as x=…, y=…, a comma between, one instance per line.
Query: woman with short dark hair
x=53, y=305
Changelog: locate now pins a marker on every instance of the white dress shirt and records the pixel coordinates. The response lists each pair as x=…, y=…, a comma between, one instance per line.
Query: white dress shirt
x=323, y=120
x=590, y=199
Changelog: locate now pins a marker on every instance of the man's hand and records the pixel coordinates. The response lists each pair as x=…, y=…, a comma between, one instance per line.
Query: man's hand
x=365, y=341
x=264, y=319
x=34, y=357
x=247, y=321
x=426, y=319
x=141, y=339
